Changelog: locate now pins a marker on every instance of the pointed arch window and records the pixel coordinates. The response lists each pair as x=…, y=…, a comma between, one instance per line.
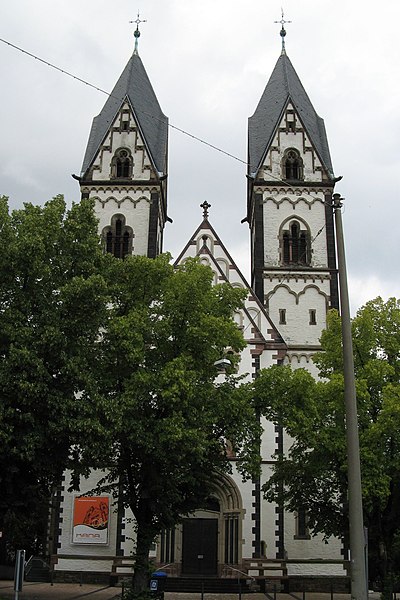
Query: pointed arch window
x=295, y=245
x=122, y=164
x=118, y=237
x=292, y=166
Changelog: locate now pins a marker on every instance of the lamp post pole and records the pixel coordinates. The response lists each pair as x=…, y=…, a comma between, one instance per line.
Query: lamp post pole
x=359, y=590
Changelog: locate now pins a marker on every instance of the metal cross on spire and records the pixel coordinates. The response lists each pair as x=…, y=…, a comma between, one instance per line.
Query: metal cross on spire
x=283, y=30
x=205, y=206
x=136, y=33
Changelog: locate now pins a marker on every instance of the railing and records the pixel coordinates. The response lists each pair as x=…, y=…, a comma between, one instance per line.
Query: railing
x=173, y=568
x=163, y=567
x=247, y=576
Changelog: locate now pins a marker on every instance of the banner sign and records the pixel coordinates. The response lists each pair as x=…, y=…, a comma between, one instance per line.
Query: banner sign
x=91, y=520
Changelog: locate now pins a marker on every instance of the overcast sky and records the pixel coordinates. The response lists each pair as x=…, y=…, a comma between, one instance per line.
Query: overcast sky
x=209, y=62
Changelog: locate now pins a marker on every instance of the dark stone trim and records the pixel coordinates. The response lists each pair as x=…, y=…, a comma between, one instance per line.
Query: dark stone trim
x=256, y=515
x=120, y=538
x=257, y=250
x=56, y=511
x=256, y=518
x=280, y=520
x=152, y=249
x=331, y=250
x=279, y=523
x=294, y=184
x=119, y=182
x=291, y=269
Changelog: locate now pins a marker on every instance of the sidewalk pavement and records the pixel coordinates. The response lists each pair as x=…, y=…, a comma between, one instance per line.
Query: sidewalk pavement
x=74, y=591
x=58, y=591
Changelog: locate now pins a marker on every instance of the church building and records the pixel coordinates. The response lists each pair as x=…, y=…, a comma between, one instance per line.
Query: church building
x=293, y=284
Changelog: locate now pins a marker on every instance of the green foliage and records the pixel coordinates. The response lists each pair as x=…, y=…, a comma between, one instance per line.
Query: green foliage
x=162, y=421
x=109, y=363
x=51, y=299
x=314, y=473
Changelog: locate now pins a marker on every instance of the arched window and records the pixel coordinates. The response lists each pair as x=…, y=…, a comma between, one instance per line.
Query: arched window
x=121, y=164
x=295, y=245
x=292, y=165
x=118, y=237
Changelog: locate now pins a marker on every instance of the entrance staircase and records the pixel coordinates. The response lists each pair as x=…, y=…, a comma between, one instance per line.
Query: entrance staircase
x=254, y=575
x=208, y=585
x=37, y=570
x=268, y=573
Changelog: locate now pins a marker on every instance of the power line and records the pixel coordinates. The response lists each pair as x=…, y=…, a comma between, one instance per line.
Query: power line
x=198, y=139
x=49, y=64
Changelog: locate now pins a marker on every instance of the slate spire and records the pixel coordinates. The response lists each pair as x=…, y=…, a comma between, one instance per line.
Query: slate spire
x=133, y=87
x=284, y=86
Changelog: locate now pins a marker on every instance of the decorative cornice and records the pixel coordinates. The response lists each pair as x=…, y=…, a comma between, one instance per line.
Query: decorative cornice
x=119, y=182
x=298, y=294
x=293, y=187
x=281, y=273
x=302, y=350
x=112, y=190
x=120, y=201
x=308, y=203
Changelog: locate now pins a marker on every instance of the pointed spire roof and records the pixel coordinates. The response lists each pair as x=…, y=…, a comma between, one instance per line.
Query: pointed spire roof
x=134, y=87
x=284, y=86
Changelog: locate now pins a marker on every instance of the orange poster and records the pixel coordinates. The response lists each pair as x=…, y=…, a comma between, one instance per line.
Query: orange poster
x=91, y=518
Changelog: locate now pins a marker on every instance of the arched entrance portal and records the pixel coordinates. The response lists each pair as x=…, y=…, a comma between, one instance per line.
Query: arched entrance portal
x=209, y=538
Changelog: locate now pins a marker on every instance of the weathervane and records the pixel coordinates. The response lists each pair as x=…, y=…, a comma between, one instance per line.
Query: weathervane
x=205, y=206
x=136, y=33
x=283, y=30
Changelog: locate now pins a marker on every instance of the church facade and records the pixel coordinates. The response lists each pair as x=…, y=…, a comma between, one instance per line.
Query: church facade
x=293, y=284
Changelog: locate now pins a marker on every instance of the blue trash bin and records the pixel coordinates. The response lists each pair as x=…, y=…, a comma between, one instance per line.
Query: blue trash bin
x=157, y=583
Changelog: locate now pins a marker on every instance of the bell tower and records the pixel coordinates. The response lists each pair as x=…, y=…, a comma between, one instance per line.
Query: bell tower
x=125, y=165
x=289, y=211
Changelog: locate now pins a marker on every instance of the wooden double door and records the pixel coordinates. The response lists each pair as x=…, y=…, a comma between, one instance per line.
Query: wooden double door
x=199, y=547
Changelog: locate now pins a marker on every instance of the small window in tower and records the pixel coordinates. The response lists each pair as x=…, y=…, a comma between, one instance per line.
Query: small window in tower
x=292, y=166
x=121, y=164
x=118, y=237
x=125, y=125
x=295, y=247
x=313, y=316
x=290, y=121
x=282, y=316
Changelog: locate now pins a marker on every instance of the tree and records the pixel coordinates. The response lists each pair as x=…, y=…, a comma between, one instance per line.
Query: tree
x=313, y=475
x=162, y=420
x=51, y=302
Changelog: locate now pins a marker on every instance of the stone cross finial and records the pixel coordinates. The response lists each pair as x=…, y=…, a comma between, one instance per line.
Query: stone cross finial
x=205, y=206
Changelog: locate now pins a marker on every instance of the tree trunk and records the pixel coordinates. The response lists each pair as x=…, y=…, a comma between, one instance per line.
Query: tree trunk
x=144, y=538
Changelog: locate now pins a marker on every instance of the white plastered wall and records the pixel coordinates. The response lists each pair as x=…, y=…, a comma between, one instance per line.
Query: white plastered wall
x=133, y=202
